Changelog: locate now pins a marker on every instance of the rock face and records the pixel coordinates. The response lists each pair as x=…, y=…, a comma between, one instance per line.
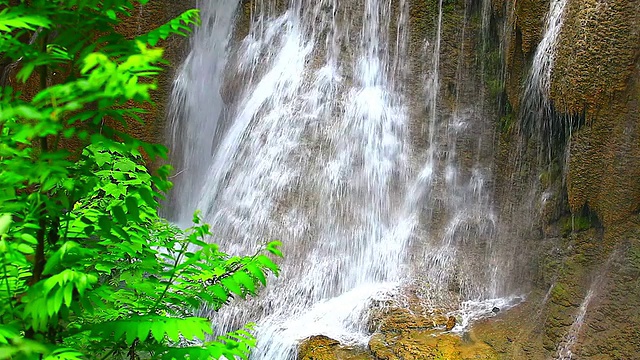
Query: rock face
x=586, y=238
x=399, y=345
x=420, y=345
x=576, y=274
x=597, y=74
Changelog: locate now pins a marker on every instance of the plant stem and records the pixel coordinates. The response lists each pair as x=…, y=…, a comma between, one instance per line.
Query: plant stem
x=173, y=276
x=42, y=222
x=38, y=267
x=42, y=72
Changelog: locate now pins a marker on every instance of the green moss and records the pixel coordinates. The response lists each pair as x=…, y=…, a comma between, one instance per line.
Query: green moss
x=634, y=256
x=559, y=292
x=576, y=223
x=506, y=123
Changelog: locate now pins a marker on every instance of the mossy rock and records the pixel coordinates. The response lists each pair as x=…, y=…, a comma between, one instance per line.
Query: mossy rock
x=596, y=54
x=530, y=15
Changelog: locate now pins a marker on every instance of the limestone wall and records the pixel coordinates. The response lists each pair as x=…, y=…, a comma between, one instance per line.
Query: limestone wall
x=592, y=235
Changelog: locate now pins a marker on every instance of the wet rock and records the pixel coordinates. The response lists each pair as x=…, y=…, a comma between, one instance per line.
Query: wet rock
x=380, y=348
x=321, y=347
x=427, y=344
x=403, y=319
x=495, y=310
x=451, y=323
x=407, y=312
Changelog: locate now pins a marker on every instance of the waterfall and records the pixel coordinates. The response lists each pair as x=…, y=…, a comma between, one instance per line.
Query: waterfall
x=537, y=113
x=199, y=81
x=300, y=121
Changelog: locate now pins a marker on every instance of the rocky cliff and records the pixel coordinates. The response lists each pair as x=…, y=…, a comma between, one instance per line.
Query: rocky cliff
x=588, y=260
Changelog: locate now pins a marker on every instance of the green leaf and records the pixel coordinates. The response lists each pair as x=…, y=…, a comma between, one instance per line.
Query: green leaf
x=103, y=267
x=105, y=223
x=220, y=293
x=273, y=246
x=232, y=286
x=267, y=263
x=5, y=222
x=10, y=20
x=157, y=331
x=144, y=328
x=172, y=331
x=132, y=207
x=245, y=280
x=132, y=334
x=120, y=215
x=68, y=294
x=145, y=194
x=52, y=263
x=7, y=333
x=257, y=273
x=25, y=249
x=29, y=238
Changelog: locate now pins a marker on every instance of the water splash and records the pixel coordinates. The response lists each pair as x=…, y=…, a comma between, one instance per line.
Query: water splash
x=471, y=310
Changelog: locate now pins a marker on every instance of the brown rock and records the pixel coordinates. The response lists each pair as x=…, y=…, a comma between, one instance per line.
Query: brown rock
x=321, y=347
x=403, y=319
x=451, y=322
x=420, y=344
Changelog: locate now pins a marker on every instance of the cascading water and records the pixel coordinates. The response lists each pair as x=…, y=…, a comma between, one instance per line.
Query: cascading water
x=199, y=82
x=537, y=112
x=303, y=130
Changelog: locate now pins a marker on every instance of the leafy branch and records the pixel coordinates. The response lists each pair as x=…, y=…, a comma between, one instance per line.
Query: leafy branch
x=89, y=269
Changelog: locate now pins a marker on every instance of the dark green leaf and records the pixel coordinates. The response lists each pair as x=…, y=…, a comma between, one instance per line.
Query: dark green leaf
x=120, y=215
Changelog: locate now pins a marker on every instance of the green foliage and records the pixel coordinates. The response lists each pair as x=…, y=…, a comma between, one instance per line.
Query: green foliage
x=88, y=268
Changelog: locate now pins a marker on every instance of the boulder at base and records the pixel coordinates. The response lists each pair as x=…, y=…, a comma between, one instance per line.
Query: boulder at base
x=321, y=347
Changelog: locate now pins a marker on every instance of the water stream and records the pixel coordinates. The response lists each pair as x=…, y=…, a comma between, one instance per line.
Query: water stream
x=305, y=122
x=537, y=111
x=567, y=346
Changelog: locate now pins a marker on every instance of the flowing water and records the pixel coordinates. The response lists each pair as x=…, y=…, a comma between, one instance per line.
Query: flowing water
x=537, y=111
x=568, y=344
x=565, y=348
x=309, y=122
